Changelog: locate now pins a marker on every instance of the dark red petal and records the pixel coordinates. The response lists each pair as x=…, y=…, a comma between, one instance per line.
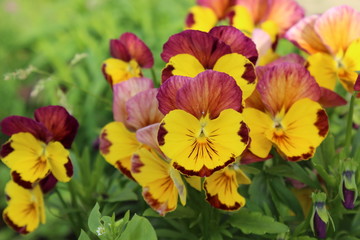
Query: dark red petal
x=238, y=42
x=203, y=46
x=48, y=183
x=330, y=99
x=6, y=149
x=59, y=122
x=138, y=50
x=118, y=50
x=17, y=178
x=16, y=124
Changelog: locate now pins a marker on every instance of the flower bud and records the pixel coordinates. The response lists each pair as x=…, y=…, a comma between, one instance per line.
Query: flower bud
x=320, y=216
x=348, y=189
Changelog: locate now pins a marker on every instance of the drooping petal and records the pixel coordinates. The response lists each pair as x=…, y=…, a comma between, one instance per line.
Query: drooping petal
x=304, y=36
x=182, y=65
x=258, y=123
x=59, y=122
x=168, y=91
x=153, y=174
x=221, y=190
x=117, y=145
x=200, y=147
x=210, y=92
x=238, y=42
x=338, y=27
x=143, y=109
x=33, y=160
x=324, y=69
x=138, y=50
x=203, y=46
x=118, y=50
x=201, y=18
x=124, y=91
x=283, y=84
x=248, y=157
x=285, y=13
x=304, y=127
x=330, y=99
x=241, y=69
x=16, y=124
x=25, y=208
x=116, y=70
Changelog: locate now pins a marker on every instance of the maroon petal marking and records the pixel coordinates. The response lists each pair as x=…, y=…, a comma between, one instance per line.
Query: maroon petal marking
x=303, y=156
x=203, y=46
x=161, y=134
x=215, y=202
x=6, y=149
x=210, y=92
x=248, y=157
x=136, y=164
x=104, y=143
x=15, y=124
x=322, y=122
x=60, y=123
x=330, y=99
x=189, y=21
x=168, y=91
x=17, y=178
x=244, y=133
x=10, y=223
x=238, y=42
x=124, y=170
x=48, y=183
x=167, y=72
x=138, y=50
x=118, y=50
x=69, y=168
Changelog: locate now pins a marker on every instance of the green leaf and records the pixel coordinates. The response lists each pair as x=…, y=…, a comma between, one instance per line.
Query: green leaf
x=121, y=196
x=83, y=236
x=256, y=223
x=94, y=218
x=303, y=238
x=138, y=228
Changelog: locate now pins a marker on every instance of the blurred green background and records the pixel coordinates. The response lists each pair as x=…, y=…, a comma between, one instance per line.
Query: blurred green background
x=51, y=54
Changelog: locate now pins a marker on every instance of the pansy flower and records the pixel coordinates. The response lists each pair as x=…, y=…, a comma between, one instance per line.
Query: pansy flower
x=223, y=49
x=203, y=129
x=129, y=55
x=333, y=42
x=284, y=112
x=136, y=116
x=25, y=208
x=37, y=148
x=162, y=184
x=222, y=188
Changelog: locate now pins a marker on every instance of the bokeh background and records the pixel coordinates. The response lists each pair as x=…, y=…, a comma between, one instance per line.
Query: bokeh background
x=51, y=54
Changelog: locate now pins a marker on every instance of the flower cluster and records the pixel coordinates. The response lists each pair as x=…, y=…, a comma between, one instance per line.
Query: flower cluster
x=38, y=157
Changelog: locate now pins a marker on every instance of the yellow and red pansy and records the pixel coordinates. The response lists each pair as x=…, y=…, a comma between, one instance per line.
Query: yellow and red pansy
x=333, y=42
x=285, y=113
x=162, y=184
x=25, y=210
x=136, y=115
x=203, y=129
x=37, y=149
x=223, y=49
x=129, y=55
x=222, y=188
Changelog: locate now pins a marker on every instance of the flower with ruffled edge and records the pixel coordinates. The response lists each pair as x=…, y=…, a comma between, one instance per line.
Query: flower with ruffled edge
x=284, y=112
x=333, y=42
x=37, y=149
x=25, y=208
x=223, y=49
x=129, y=54
x=137, y=118
x=203, y=129
x=162, y=184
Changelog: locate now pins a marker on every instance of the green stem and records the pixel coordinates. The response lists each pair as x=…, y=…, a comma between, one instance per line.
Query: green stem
x=349, y=122
x=65, y=206
x=153, y=74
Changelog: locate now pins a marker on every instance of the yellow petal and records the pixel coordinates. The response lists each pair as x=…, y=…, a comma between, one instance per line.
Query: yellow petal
x=57, y=157
x=200, y=147
x=323, y=68
x=116, y=70
x=349, y=65
x=221, y=190
x=154, y=174
x=241, y=69
x=242, y=20
x=201, y=18
x=301, y=130
x=25, y=208
x=117, y=145
x=185, y=65
x=271, y=28
x=258, y=123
